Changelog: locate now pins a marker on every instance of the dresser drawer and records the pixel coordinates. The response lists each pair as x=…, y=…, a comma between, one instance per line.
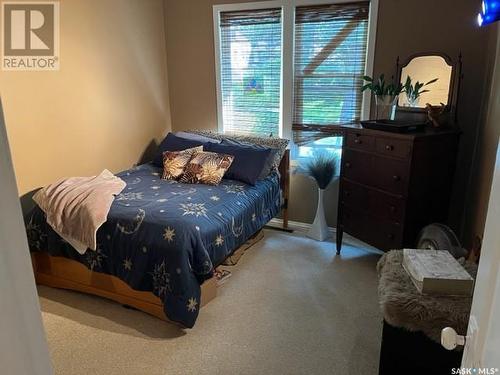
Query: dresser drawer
x=359, y=141
x=393, y=147
x=375, y=171
x=390, y=175
x=357, y=166
x=373, y=202
x=383, y=234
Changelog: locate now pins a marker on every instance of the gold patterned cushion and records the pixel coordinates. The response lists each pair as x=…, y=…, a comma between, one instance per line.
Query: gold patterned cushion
x=206, y=168
x=175, y=161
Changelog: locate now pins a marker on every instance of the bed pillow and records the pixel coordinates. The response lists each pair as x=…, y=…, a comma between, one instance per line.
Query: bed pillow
x=206, y=168
x=273, y=142
x=174, y=162
x=212, y=134
x=196, y=137
x=268, y=165
x=249, y=161
x=173, y=143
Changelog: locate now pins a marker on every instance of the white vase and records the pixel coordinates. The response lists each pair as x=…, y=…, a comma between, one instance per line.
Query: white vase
x=413, y=102
x=319, y=228
x=386, y=107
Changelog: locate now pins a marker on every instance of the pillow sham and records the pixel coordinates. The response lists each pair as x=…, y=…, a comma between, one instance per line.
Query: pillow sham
x=268, y=165
x=206, y=168
x=196, y=137
x=174, y=162
x=173, y=143
x=249, y=160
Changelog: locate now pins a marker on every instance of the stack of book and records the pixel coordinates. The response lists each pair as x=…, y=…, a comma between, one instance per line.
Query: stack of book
x=437, y=272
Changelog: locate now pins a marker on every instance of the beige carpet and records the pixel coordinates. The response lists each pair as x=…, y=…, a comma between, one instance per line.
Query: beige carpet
x=291, y=307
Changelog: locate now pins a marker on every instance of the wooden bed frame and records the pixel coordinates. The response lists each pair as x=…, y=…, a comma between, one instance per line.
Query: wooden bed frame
x=284, y=170
x=64, y=273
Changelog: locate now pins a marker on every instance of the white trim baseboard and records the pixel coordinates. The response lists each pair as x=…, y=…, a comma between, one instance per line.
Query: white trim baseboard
x=297, y=226
x=302, y=229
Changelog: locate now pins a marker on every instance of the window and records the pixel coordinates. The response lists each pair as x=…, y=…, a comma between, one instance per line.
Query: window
x=293, y=65
x=328, y=145
x=329, y=63
x=331, y=146
x=250, y=62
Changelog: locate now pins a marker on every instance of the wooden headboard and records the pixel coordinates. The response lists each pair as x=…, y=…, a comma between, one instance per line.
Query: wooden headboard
x=284, y=170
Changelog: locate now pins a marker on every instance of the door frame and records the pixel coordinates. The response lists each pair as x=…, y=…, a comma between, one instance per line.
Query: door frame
x=23, y=347
x=482, y=347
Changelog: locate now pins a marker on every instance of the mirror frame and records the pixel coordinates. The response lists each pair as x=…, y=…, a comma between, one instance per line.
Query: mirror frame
x=456, y=77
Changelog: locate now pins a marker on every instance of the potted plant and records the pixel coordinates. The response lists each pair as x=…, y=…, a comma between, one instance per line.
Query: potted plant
x=322, y=168
x=386, y=96
x=413, y=92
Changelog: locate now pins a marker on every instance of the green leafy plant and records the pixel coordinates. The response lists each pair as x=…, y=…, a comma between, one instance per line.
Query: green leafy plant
x=413, y=92
x=323, y=167
x=380, y=87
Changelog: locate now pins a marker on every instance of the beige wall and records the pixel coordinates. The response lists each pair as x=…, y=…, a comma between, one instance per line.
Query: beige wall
x=106, y=104
x=484, y=161
x=191, y=63
x=404, y=27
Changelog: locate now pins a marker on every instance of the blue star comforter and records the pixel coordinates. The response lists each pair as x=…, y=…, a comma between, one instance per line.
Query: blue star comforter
x=166, y=237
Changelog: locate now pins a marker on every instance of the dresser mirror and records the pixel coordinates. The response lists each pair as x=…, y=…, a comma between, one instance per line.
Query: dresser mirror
x=438, y=78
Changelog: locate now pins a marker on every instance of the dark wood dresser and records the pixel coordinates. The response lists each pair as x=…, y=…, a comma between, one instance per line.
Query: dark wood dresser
x=392, y=185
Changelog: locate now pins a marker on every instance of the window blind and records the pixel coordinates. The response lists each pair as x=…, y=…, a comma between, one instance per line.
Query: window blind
x=329, y=64
x=250, y=63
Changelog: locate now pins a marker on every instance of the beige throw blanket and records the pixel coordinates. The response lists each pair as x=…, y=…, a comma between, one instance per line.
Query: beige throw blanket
x=76, y=207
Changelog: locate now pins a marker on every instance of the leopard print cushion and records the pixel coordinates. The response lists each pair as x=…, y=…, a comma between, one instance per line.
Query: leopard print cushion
x=272, y=142
x=174, y=162
x=206, y=168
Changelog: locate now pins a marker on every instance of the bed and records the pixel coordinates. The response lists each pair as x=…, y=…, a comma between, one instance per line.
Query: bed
x=162, y=240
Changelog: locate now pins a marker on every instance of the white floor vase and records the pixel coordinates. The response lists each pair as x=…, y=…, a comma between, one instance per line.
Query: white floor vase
x=319, y=228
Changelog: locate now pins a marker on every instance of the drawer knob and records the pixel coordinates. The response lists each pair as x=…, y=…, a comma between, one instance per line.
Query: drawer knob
x=390, y=236
x=348, y=165
x=393, y=208
x=396, y=178
x=358, y=141
x=389, y=147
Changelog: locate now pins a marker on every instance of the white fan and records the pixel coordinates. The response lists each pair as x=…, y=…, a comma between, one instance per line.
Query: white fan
x=440, y=237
